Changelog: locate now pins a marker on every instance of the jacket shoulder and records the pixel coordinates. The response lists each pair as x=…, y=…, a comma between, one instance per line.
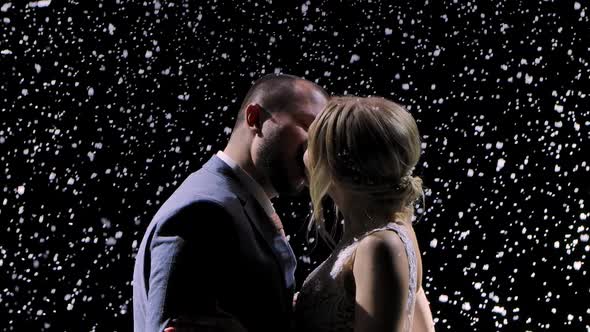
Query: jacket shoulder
x=202, y=196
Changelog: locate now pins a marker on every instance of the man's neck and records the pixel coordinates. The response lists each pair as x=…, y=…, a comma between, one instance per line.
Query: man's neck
x=243, y=159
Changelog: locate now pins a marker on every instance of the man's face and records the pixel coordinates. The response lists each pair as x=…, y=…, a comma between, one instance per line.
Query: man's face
x=281, y=151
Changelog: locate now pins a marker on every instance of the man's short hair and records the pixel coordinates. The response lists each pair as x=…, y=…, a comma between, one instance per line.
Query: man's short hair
x=274, y=92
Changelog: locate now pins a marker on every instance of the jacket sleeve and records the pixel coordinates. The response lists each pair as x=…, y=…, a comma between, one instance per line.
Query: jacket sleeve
x=188, y=253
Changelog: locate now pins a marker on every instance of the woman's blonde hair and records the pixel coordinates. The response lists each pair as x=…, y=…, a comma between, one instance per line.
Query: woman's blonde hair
x=368, y=146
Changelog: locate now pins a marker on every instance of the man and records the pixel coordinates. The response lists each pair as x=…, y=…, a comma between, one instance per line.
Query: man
x=214, y=257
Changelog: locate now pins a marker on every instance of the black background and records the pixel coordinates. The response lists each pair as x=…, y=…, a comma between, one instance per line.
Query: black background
x=107, y=106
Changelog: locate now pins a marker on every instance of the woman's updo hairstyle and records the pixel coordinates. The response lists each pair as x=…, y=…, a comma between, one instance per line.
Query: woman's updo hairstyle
x=368, y=146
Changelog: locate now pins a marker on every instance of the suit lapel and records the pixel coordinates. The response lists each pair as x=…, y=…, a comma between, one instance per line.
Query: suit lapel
x=255, y=217
x=252, y=208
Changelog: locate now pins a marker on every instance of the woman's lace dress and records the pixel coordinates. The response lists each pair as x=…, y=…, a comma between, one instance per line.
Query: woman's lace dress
x=326, y=301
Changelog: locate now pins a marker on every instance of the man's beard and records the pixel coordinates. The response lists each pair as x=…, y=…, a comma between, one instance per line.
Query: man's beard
x=272, y=165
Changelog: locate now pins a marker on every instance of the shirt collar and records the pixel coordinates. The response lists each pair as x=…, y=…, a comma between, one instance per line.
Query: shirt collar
x=251, y=185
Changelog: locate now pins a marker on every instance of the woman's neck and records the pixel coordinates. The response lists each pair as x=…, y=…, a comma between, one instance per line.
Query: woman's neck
x=360, y=216
x=361, y=221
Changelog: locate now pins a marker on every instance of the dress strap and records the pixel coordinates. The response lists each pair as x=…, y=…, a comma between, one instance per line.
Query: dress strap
x=345, y=255
x=411, y=254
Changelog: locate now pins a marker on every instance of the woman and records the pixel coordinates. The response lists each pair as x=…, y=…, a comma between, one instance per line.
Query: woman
x=361, y=153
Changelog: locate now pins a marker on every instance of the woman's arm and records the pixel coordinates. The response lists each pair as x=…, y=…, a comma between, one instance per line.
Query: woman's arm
x=381, y=274
x=423, y=321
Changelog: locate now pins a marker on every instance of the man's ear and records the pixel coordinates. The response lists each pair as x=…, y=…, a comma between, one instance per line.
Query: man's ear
x=254, y=117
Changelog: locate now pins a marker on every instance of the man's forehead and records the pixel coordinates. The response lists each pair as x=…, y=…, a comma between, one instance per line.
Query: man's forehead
x=309, y=106
x=309, y=91
x=307, y=103
x=302, y=115
x=306, y=114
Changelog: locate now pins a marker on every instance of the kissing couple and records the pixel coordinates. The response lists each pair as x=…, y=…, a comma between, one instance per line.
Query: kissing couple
x=215, y=256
